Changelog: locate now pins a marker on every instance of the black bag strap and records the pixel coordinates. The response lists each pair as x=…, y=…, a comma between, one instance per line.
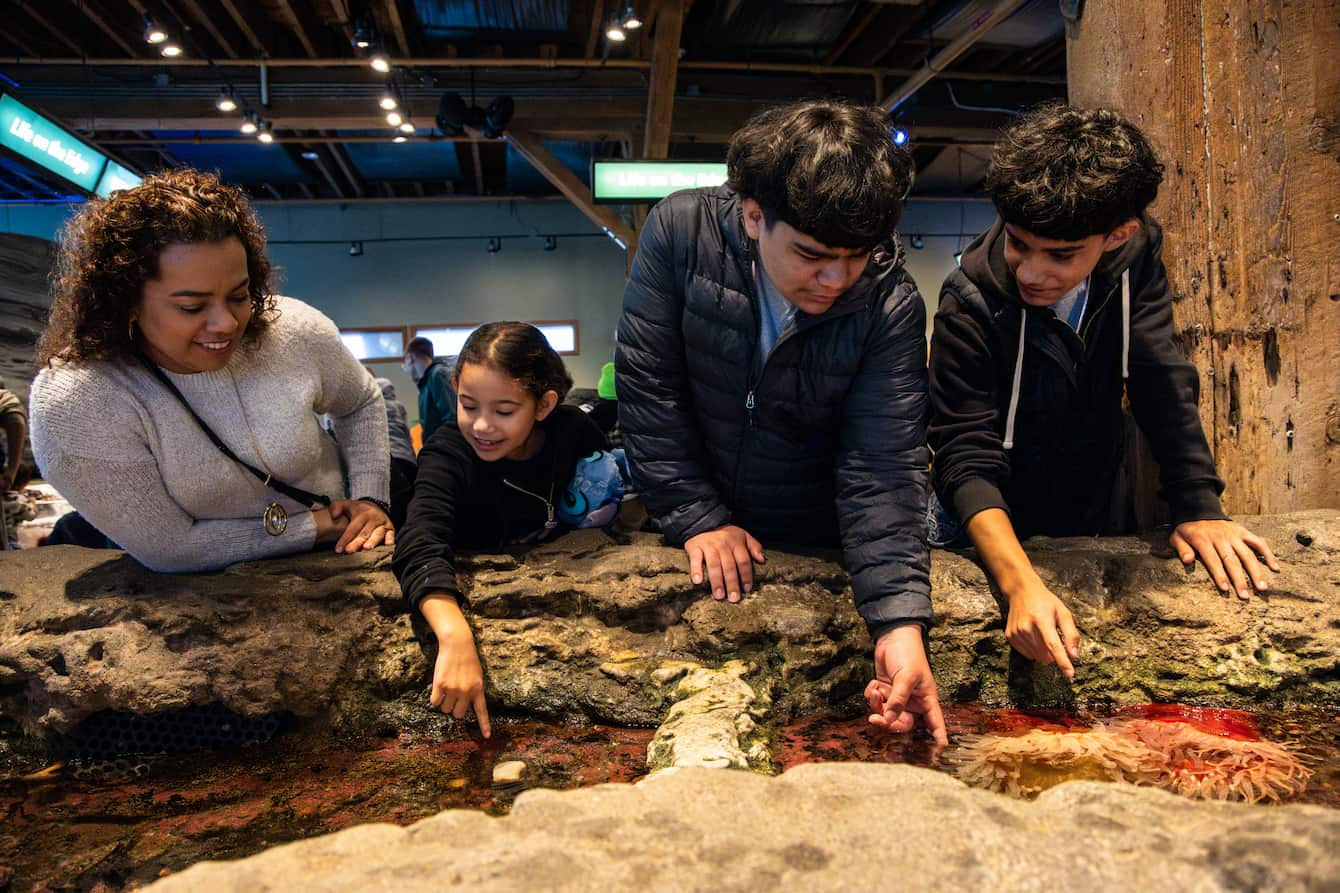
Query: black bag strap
x=297, y=494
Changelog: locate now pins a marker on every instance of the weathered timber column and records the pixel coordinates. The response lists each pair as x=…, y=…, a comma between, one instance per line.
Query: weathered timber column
x=1242, y=99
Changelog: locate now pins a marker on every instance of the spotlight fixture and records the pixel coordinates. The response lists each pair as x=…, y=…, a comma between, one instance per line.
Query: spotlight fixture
x=629, y=19
x=454, y=117
x=550, y=243
x=171, y=50
x=394, y=119
x=249, y=124
x=355, y=249
x=265, y=132
x=497, y=116
x=399, y=138
x=899, y=136
x=379, y=62
x=406, y=126
x=362, y=37
x=451, y=114
x=310, y=155
x=615, y=33
x=152, y=33
x=494, y=245
x=917, y=242
x=226, y=102
x=387, y=102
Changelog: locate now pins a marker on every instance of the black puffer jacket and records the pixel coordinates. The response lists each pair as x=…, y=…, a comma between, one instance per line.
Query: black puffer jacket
x=1057, y=478
x=827, y=444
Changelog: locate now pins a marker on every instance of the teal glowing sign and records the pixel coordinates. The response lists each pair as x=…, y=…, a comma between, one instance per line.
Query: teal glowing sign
x=50, y=146
x=116, y=177
x=648, y=181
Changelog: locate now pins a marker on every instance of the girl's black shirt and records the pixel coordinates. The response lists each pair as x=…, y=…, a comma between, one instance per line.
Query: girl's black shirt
x=462, y=502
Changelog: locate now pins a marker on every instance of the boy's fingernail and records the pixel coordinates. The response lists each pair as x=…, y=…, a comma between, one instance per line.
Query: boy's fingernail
x=697, y=579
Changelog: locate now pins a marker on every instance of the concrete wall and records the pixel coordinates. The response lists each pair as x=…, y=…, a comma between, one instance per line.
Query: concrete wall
x=427, y=264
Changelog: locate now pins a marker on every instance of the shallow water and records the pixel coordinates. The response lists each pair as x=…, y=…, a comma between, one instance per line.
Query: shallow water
x=1311, y=734
x=124, y=822
x=132, y=819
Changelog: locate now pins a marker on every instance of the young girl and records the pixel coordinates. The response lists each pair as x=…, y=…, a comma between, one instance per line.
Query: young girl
x=491, y=480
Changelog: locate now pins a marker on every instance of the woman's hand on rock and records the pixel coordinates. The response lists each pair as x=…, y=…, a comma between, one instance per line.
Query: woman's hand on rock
x=328, y=527
x=367, y=525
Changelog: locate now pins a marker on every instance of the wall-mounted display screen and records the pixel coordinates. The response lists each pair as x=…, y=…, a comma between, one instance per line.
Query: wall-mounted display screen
x=44, y=143
x=115, y=178
x=614, y=182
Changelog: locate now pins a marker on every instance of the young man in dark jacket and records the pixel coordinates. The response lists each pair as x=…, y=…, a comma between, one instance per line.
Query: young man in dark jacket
x=437, y=401
x=1054, y=309
x=771, y=368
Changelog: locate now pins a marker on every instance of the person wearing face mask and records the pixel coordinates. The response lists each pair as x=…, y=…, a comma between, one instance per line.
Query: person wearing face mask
x=178, y=400
x=771, y=360
x=1059, y=309
x=437, y=401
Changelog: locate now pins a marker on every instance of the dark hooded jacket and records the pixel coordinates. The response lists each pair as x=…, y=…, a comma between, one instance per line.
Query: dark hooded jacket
x=462, y=502
x=1048, y=450
x=437, y=401
x=825, y=445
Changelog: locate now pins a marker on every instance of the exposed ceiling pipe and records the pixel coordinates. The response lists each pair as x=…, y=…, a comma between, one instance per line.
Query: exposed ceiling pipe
x=324, y=169
x=937, y=64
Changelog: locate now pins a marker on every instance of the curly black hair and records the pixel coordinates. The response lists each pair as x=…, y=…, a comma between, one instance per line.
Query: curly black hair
x=830, y=169
x=1069, y=173
x=111, y=248
x=520, y=351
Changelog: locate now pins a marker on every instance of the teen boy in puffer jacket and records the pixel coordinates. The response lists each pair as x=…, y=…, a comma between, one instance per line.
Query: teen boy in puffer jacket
x=772, y=378
x=1055, y=309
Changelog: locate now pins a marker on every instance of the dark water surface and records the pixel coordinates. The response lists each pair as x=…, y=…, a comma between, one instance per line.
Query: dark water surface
x=126, y=821
x=117, y=824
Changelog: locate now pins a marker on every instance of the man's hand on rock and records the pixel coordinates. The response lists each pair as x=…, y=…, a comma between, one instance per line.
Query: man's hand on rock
x=1041, y=628
x=1229, y=552
x=728, y=555
x=458, y=678
x=903, y=687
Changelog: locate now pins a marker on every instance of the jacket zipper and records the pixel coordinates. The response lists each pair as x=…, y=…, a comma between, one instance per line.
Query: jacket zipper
x=550, y=523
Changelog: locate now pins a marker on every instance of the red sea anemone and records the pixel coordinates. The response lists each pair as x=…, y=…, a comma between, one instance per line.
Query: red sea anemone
x=1208, y=754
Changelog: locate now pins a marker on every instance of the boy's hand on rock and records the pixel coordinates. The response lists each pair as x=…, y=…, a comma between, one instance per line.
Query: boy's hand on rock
x=728, y=554
x=903, y=687
x=1229, y=552
x=1041, y=627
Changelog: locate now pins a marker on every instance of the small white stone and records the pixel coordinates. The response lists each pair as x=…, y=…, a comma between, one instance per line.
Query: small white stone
x=510, y=771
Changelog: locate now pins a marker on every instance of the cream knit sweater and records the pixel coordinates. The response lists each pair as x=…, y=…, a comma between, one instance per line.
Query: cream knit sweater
x=131, y=459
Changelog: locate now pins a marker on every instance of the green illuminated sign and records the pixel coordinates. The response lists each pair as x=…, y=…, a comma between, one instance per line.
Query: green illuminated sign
x=116, y=177
x=641, y=181
x=48, y=145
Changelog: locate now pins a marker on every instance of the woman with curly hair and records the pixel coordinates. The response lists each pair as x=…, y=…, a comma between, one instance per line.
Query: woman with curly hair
x=177, y=402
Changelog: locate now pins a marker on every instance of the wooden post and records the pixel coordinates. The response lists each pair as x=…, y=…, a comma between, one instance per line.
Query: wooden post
x=1241, y=99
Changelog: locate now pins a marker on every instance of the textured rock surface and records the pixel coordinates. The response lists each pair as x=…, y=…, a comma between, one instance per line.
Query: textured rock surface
x=587, y=627
x=818, y=827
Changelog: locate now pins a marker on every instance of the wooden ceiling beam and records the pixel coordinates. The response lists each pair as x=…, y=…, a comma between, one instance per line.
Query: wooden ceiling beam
x=566, y=182
x=239, y=17
x=853, y=33
x=595, y=28
x=293, y=23
x=214, y=31
x=42, y=20
x=96, y=18
x=664, y=75
x=391, y=10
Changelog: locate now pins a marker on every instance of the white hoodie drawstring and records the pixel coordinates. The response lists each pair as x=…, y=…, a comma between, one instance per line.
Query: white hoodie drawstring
x=1125, y=324
x=1018, y=376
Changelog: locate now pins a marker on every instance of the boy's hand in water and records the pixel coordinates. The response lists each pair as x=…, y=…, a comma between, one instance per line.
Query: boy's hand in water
x=458, y=678
x=1229, y=552
x=903, y=687
x=728, y=554
x=1041, y=628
